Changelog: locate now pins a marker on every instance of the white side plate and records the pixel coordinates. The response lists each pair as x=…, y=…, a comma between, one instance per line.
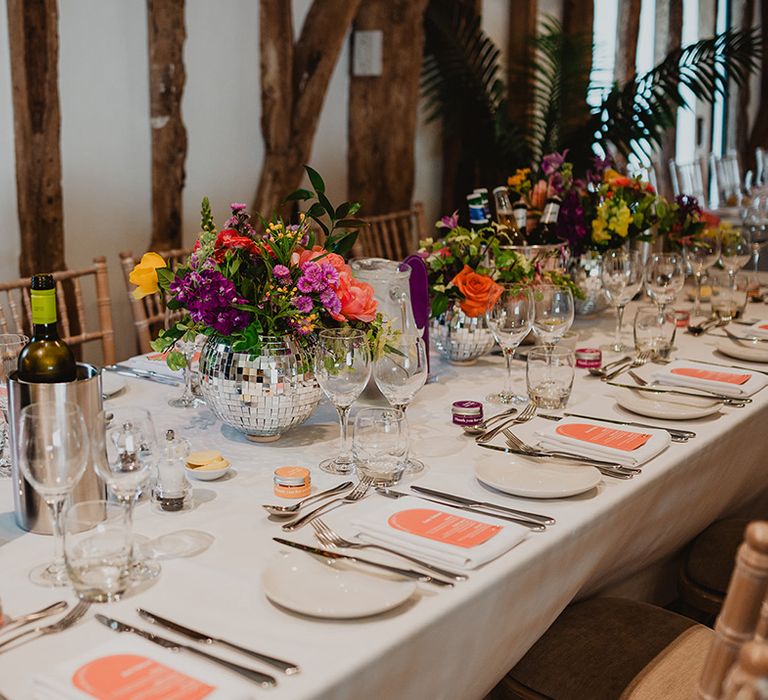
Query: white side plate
x=731, y=348
x=669, y=407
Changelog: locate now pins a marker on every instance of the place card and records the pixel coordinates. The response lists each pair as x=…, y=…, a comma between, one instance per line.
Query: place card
x=625, y=440
x=443, y=527
x=709, y=375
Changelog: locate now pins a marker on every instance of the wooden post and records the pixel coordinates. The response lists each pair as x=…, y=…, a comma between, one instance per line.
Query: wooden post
x=383, y=109
x=759, y=135
x=521, y=46
x=34, y=49
x=738, y=123
x=627, y=30
x=166, y=35
x=291, y=109
x=578, y=20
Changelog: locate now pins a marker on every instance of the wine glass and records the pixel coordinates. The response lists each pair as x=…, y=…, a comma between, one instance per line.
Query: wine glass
x=124, y=447
x=189, y=349
x=399, y=373
x=756, y=226
x=10, y=347
x=342, y=368
x=553, y=313
x=622, y=277
x=701, y=253
x=53, y=452
x=735, y=252
x=510, y=319
x=664, y=278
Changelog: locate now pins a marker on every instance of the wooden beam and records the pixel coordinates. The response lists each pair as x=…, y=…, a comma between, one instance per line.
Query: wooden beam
x=627, y=30
x=523, y=15
x=383, y=109
x=34, y=49
x=759, y=134
x=738, y=123
x=166, y=35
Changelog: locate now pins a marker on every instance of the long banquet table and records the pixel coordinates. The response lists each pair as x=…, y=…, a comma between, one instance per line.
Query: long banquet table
x=452, y=643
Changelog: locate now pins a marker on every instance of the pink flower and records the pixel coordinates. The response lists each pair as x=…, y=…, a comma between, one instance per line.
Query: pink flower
x=332, y=258
x=450, y=222
x=539, y=194
x=356, y=297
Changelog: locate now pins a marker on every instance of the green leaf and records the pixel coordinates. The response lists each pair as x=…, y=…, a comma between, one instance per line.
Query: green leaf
x=343, y=245
x=326, y=204
x=316, y=210
x=299, y=195
x=342, y=210
x=175, y=360
x=315, y=179
x=351, y=223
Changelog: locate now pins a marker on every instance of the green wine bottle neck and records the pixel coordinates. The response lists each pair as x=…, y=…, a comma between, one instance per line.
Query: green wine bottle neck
x=45, y=331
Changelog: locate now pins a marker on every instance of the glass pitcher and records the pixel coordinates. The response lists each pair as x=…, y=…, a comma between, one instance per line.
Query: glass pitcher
x=391, y=289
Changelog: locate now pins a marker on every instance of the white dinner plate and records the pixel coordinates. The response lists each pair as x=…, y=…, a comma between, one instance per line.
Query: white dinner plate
x=670, y=407
x=111, y=384
x=330, y=588
x=530, y=478
x=731, y=348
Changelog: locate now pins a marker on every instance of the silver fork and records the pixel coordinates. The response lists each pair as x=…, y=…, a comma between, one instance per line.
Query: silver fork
x=332, y=539
x=59, y=626
x=523, y=417
x=354, y=495
x=642, y=357
x=619, y=471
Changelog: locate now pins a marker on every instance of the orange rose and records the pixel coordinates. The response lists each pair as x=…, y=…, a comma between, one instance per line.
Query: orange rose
x=479, y=291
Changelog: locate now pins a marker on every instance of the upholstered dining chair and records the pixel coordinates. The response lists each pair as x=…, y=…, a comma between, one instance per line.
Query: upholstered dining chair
x=150, y=313
x=612, y=648
x=75, y=327
x=394, y=236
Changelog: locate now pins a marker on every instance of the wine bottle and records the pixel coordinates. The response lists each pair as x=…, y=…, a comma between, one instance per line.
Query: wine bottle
x=505, y=216
x=520, y=212
x=546, y=231
x=46, y=357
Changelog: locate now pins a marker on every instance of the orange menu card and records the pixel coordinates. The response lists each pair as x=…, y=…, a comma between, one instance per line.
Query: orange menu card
x=625, y=440
x=443, y=527
x=127, y=676
x=710, y=376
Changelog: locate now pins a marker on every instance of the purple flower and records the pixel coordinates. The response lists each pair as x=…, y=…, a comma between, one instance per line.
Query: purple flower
x=303, y=304
x=330, y=275
x=282, y=273
x=330, y=301
x=449, y=222
x=311, y=279
x=572, y=223
x=237, y=207
x=553, y=162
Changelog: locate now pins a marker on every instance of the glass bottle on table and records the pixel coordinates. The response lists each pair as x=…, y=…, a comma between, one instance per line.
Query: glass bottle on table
x=505, y=216
x=400, y=373
x=546, y=231
x=622, y=277
x=520, y=213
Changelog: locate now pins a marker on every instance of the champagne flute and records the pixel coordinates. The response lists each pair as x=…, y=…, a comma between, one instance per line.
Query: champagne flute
x=124, y=447
x=553, y=313
x=510, y=318
x=53, y=453
x=342, y=368
x=664, y=278
x=10, y=347
x=701, y=253
x=399, y=373
x=622, y=277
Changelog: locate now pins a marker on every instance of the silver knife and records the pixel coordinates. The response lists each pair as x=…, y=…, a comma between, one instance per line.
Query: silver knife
x=672, y=431
x=709, y=395
x=543, y=519
x=142, y=374
x=406, y=573
x=264, y=680
x=285, y=666
x=533, y=525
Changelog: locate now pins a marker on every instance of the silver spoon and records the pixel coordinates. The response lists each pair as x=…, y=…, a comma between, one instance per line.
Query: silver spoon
x=285, y=511
x=481, y=427
x=22, y=620
x=602, y=371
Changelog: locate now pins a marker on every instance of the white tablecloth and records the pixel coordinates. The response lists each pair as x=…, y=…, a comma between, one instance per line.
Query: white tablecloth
x=445, y=643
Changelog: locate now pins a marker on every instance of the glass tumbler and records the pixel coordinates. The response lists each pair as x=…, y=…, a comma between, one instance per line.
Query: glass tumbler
x=549, y=375
x=380, y=444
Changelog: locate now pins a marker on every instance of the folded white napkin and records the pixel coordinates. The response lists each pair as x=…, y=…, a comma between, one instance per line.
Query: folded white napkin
x=449, y=536
x=608, y=441
x=721, y=380
x=759, y=329
x=130, y=668
x=154, y=362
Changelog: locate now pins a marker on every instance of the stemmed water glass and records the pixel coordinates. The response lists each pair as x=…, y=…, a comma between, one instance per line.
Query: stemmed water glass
x=189, y=349
x=756, y=226
x=53, y=453
x=342, y=368
x=701, y=253
x=735, y=252
x=10, y=347
x=510, y=319
x=622, y=277
x=125, y=449
x=664, y=278
x=553, y=313
x=399, y=373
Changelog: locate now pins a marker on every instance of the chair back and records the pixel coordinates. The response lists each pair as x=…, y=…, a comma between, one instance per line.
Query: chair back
x=744, y=617
x=150, y=314
x=393, y=236
x=688, y=178
x=748, y=678
x=16, y=308
x=727, y=174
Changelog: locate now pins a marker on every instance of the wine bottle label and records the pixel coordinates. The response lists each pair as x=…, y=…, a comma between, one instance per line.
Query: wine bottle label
x=43, y=306
x=551, y=210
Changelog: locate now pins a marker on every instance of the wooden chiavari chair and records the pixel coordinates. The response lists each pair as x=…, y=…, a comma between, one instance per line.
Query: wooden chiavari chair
x=393, y=236
x=689, y=178
x=16, y=310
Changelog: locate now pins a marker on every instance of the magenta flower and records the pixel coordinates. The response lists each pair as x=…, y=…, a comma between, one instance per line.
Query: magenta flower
x=553, y=162
x=303, y=304
x=281, y=273
x=449, y=222
x=237, y=207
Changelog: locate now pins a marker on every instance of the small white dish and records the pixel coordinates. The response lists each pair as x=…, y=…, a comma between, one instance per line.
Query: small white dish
x=518, y=476
x=670, y=407
x=331, y=589
x=207, y=474
x=758, y=353
x=111, y=384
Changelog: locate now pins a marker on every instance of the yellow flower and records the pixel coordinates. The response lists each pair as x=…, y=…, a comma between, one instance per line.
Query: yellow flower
x=144, y=275
x=621, y=220
x=599, y=234
x=517, y=179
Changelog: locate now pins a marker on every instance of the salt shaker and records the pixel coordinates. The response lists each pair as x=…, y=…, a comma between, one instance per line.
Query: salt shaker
x=172, y=491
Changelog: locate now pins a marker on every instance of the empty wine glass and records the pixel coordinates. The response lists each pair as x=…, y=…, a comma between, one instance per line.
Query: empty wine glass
x=664, y=278
x=622, y=277
x=53, y=452
x=399, y=373
x=735, y=252
x=756, y=226
x=510, y=319
x=189, y=399
x=342, y=368
x=701, y=252
x=10, y=347
x=553, y=313
x=124, y=446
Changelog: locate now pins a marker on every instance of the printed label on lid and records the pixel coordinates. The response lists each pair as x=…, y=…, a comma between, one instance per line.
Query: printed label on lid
x=625, y=440
x=710, y=376
x=443, y=527
x=43, y=303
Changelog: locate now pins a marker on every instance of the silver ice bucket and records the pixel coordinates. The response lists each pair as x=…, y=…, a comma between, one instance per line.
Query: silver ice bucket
x=31, y=511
